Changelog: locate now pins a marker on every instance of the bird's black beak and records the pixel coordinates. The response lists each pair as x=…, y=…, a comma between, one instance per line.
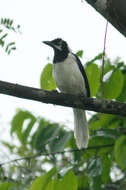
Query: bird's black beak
x=51, y=44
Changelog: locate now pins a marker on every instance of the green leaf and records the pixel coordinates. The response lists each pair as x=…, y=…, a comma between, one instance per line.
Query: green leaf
x=98, y=57
x=40, y=183
x=95, y=183
x=17, y=125
x=8, y=145
x=114, y=85
x=69, y=181
x=2, y=42
x=60, y=143
x=13, y=48
x=104, y=121
x=4, y=36
x=96, y=122
x=93, y=74
x=4, y=186
x=122, y=96
x=94, y=167
x=107, y=132
x=108, y=66
x=50, y=185
x=120, y=152
x=106, y=168
x=45, y=134
x=28, y=129
x=120, y=65
x=7, y=23
x=11, y=22
x=80, y=53
x=83, y=181
x=101, y=140
x=7, y=186
x=8, y=45
x=46, y=79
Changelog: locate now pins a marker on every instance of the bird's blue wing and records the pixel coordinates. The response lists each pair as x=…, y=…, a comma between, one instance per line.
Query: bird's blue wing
x=83, y=74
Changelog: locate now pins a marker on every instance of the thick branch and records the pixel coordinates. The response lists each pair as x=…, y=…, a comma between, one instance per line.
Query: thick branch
x=113, y=10
x=53, y=97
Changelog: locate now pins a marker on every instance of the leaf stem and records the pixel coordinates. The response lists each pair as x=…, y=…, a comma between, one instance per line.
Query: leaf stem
x=103, y=61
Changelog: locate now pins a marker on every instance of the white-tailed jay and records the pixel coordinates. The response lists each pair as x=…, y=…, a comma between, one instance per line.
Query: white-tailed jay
x=70, y=77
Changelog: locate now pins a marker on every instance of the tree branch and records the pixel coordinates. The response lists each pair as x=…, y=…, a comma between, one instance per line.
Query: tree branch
x=113, y=10
x=54, y=153
x=68, y=100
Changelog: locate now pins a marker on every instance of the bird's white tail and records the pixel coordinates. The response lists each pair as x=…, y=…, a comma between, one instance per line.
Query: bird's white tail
x=80, y=128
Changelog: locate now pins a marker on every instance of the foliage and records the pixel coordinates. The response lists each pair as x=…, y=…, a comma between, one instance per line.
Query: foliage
x=6, y=26
x=41, y=141
x=46, y=80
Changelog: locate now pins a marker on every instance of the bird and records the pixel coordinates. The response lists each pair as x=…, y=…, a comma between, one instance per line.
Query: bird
x=70, y=77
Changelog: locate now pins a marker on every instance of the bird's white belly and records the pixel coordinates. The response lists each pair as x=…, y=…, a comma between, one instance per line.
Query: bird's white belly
x=68, y=77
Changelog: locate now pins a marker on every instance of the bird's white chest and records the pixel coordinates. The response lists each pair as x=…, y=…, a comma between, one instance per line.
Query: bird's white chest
x=68, y=77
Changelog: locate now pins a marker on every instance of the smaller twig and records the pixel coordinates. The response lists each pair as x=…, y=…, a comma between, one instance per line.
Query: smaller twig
x=53, y=153
x=103, y=61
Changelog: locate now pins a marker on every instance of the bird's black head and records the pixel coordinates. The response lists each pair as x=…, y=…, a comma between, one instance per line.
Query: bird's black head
x=60, y=47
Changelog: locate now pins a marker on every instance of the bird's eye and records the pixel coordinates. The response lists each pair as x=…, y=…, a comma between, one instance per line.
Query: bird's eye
x=59, y=43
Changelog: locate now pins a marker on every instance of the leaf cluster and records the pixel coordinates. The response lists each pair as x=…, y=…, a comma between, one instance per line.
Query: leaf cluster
x=6, y=26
